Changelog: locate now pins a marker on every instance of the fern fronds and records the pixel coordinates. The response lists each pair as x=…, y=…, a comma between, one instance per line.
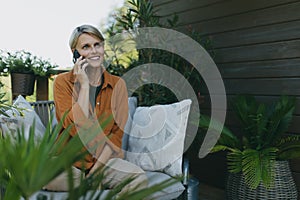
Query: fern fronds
x=234, y=161
x=258, y=166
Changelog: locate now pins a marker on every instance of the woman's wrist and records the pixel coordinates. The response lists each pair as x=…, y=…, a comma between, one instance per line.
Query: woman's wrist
x=105, y=154
x=85, y=86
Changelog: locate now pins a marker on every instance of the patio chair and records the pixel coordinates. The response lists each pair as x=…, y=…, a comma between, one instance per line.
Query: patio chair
x=176, y=191
x=43, y=109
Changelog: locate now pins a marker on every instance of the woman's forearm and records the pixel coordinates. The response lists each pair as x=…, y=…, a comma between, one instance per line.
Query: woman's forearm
x=105, y=155
x=83, y=99
x=102, y=159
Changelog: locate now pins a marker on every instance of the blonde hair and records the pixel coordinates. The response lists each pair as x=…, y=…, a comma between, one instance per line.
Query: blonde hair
x=84, y=29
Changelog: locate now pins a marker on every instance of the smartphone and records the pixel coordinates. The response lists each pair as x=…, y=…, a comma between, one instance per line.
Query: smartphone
x=76, y=55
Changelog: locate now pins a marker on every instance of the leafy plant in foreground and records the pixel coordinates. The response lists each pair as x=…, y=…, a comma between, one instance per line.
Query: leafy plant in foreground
x=27, y=165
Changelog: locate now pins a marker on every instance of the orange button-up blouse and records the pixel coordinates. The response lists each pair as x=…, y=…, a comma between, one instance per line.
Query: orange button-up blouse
x=111, y=102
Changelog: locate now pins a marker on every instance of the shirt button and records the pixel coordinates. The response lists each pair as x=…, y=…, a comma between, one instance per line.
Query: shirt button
x=98, y=103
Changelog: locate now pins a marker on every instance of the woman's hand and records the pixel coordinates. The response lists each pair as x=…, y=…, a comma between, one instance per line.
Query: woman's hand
x=96, y=167
x=80, y=71
x=81, y=76
x=102, y=159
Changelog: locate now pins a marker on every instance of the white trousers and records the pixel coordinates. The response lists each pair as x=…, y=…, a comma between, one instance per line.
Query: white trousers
x=117, y=171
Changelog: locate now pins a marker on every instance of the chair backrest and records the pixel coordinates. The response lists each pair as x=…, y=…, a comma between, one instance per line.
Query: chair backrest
x=43, y=109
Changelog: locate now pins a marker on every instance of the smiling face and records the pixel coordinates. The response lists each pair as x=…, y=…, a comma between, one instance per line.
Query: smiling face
x=91, y=48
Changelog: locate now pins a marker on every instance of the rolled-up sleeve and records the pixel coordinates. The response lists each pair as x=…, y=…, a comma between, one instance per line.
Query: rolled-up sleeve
x=68, y=109
x=120, y=113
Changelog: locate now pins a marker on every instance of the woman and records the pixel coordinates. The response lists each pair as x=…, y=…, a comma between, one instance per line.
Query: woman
x=88, y=93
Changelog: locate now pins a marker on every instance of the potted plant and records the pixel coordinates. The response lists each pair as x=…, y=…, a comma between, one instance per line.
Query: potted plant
x=258, y=157
x=43, y=69
x=24, y=67
x=19, y=65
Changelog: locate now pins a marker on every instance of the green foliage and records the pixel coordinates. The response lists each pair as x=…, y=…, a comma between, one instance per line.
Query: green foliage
x=141, y=13
x=146, y=192
x=227, y=141
x=263, y=125
x=258, y=166
x=31, y=164
x=24, y=62
x=44, y=68
x=263, y=139
x=4, y=103
x=19, y=61
x=26, y=165
x=89, y=188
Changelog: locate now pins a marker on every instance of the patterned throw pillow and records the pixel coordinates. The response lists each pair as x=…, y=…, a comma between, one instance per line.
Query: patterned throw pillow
x=156, y=140
x=25, y=119
x=9, y=126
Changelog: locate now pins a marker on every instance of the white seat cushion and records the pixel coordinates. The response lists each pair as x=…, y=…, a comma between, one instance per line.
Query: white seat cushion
x=171, y=192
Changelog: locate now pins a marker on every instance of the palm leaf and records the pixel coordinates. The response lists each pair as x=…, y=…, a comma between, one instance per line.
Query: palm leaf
x=234, y=161
x=280, y=118
x=262, y=139
x=89, y=188
x=137, y=194
x=258, y=166
x=253, y=118
x=219, y=147
x=291, y=152
x=289, y=147
x=32, y=164
x=227, y=138
x=245, y=107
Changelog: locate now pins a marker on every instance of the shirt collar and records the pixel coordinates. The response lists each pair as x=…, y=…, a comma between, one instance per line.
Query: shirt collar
x=107, y=79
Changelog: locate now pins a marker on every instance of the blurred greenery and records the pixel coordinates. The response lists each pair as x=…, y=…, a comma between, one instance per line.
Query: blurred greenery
x=141, y=13
x=28, y=164
x=31, y=164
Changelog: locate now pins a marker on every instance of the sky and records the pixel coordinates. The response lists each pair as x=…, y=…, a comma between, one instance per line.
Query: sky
x=44, y=27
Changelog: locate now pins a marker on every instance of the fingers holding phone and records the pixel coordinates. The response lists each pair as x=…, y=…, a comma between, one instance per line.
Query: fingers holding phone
x=76, y=55
x=78, y=60
x=80, y=65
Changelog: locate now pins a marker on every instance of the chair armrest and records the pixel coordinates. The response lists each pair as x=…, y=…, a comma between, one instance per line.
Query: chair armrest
x=185, y=171
x=185, y=180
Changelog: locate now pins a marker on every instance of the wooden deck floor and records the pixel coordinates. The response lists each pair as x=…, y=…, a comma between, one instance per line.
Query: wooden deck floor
x=208, y=192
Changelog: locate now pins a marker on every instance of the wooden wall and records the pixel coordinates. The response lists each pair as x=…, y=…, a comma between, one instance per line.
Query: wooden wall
x=257, y=47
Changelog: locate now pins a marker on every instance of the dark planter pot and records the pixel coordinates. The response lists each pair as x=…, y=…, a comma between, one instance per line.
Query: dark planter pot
x=42, y=88
x=22, y=84
x=284, y=186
